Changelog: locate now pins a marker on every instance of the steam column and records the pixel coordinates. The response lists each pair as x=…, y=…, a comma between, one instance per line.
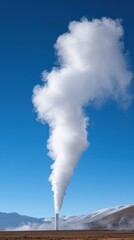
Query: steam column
x=56, y=221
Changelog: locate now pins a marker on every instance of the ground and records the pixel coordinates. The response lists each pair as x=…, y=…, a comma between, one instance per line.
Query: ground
x=67, y=235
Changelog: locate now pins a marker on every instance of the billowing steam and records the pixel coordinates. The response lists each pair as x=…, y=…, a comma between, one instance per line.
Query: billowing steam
x=93, y=69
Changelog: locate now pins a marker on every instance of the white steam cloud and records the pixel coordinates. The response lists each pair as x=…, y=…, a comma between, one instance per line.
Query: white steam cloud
x=93, y=69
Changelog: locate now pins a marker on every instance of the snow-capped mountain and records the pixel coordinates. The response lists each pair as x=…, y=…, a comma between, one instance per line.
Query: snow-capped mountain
x=112, y=218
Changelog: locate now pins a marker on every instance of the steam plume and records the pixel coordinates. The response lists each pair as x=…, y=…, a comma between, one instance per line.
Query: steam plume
x=93, y=69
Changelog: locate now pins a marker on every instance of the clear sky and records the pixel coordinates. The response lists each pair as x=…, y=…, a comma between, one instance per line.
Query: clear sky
x=104, y=176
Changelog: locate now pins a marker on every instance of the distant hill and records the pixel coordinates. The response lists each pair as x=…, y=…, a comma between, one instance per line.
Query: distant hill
x=121, y=217
x=13, y=220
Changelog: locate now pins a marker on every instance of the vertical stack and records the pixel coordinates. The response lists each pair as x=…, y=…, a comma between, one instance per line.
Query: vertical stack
x=56, y=221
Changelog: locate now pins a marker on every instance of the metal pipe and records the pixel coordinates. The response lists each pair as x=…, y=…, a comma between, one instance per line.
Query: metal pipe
x=56, y=221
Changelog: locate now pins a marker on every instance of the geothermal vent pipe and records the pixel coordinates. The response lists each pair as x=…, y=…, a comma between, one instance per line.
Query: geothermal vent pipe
x=56, y=221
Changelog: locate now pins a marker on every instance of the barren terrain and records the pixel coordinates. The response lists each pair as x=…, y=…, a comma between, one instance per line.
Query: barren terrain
x=74, y=235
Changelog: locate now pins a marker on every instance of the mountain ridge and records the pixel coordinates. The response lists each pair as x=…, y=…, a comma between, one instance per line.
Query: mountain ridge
x=121, y=217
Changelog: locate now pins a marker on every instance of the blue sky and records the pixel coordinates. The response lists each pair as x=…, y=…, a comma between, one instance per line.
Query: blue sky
x=104, y=175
